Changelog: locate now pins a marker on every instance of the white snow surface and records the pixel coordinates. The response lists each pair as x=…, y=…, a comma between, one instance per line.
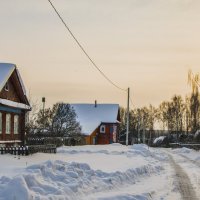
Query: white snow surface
x=188, y=153
x=6, y=69
x=86, y=172
x=90, y=117
x=103, y=172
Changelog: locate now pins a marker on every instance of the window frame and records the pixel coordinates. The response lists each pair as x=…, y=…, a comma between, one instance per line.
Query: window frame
x=103, y=129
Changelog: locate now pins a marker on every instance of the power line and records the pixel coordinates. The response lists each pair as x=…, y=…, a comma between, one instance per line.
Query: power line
x=84, y=51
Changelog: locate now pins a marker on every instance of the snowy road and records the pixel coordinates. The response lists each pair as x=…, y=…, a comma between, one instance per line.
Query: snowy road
x=102, y=173
x=183, y=182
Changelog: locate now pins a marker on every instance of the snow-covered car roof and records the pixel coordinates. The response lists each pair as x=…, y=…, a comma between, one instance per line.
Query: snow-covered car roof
x=90, y=117
x=159, y=139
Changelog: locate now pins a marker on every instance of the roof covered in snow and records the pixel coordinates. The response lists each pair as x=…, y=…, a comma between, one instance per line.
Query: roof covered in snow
x=6, y=70
x=14, y=104
x=90, y=117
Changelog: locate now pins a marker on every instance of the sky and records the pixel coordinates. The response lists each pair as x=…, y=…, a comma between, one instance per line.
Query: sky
x=147, y=45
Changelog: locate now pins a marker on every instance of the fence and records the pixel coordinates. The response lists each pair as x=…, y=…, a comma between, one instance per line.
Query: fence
x=55, y=140
x=27, y=150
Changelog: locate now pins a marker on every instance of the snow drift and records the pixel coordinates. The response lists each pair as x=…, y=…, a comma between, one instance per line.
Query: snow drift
x=61, y=180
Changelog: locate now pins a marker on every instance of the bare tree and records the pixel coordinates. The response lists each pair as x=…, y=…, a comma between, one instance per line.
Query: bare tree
x=194, y=82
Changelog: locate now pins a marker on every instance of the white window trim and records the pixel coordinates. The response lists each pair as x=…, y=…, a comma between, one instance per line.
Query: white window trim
x=1, y=123
x=102, y=129
x=16, y=124
x=8, y=130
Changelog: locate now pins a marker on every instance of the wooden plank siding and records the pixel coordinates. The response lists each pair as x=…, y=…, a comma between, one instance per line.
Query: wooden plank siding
x=89, y=139
x=11, y=94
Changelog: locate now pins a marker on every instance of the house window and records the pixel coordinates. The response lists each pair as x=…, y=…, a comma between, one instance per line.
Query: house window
x=102, y=129
x=16, y=124
x=6, y=87
x=0, y=123
x=8, y=123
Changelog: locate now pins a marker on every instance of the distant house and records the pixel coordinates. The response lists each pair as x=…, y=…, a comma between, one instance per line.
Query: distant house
x=99, y=122
x=13, y=106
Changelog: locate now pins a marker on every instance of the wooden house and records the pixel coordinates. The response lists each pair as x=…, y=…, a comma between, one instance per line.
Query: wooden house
x=13, y=106
x=99, y=122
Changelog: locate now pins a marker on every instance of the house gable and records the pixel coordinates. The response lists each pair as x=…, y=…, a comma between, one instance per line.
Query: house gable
x=12, y=89
x=90, y=116
x=10, y=94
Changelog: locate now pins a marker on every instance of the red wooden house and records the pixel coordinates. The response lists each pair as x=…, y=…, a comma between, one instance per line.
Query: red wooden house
x=13, y=106
x=99, y=122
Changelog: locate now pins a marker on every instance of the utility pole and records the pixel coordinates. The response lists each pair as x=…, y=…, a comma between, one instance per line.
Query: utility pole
x=43, y=101
x=127, y=128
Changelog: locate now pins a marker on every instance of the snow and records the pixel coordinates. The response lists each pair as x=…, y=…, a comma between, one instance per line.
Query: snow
x=6, y=69
x=183, y=151
x=191, y=154
x=90, y=172
x=14, y=104
x=61, y=179
x=10, y=141
x=190, y=162
x=90, y=117
x=80, y=172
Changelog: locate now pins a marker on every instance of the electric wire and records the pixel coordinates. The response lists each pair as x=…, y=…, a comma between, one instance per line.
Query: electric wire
x=82, y=48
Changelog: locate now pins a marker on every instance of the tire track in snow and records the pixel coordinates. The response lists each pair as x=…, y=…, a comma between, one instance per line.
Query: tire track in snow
x=183, y=181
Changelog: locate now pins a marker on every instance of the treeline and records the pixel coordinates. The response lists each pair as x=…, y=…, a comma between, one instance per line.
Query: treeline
x=176, y=115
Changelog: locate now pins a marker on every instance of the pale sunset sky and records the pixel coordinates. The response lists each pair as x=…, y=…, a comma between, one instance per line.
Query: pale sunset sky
x=147, y=45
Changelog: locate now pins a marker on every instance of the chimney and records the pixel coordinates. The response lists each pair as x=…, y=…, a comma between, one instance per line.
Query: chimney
x=95, y=103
